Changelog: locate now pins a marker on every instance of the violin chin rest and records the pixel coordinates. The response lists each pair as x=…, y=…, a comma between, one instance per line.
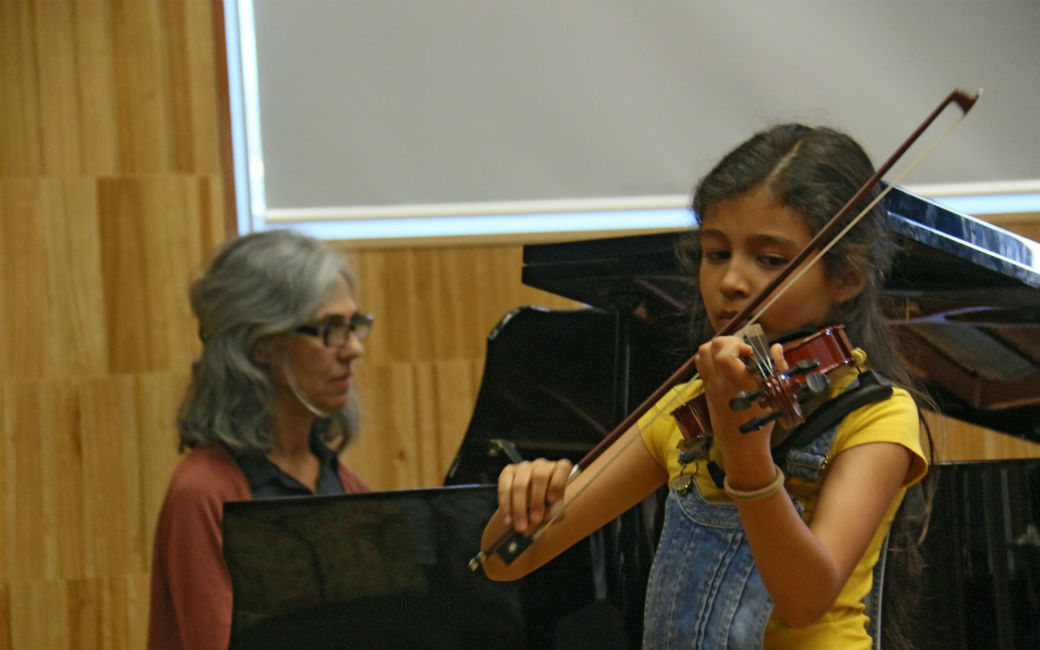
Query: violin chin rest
x=869, y=388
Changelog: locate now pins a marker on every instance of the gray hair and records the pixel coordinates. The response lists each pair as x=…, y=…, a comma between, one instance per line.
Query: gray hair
x=259, y=284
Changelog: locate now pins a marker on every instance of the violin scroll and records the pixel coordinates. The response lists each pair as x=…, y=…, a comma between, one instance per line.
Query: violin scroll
x=813, y=357
x=810, y=359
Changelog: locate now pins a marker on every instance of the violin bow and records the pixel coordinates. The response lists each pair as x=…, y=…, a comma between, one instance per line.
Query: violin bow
x=785, y=278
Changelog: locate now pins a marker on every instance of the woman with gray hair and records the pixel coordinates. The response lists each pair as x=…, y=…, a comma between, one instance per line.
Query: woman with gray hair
x=268, y=409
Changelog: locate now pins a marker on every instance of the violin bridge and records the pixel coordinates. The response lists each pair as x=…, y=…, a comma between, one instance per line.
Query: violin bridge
x=755, y=336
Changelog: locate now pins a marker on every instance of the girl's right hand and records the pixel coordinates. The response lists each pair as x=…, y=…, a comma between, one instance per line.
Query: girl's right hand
x=530, y=493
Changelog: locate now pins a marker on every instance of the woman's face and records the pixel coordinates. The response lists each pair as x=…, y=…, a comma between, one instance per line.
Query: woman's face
x=322, y=375
x=747, y=240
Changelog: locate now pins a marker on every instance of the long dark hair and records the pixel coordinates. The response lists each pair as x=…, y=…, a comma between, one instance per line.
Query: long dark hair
x=815, y=171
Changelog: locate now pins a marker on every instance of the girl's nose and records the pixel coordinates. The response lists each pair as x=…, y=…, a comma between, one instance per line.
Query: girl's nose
x=734, y=281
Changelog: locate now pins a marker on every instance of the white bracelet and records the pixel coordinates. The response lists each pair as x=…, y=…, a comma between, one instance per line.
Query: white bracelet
x=751, y=495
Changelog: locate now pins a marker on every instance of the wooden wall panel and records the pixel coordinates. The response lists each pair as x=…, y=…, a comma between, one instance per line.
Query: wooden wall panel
x=20, y=111
x=105, y=86
x=419, y=379
x=956, y=440
x=414, y=417
x=157, y=396
x=79, y=613
x=96, y=96
x=1030, y=229
x=112, y=125
x=49, y=245
x=440, y=303
x=38, y=615
x=5, y=610
x=147, y=264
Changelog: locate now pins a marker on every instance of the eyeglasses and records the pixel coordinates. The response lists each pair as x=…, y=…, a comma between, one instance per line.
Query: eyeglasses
x=336, y=334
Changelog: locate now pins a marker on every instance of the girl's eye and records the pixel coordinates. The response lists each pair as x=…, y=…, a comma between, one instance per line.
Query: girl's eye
x=772, y=261
x=716, y=255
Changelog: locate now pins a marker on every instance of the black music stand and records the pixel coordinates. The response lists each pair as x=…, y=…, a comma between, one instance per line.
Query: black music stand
x=388, y=571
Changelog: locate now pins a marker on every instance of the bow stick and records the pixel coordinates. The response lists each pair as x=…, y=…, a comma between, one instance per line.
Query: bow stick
x=770, y=292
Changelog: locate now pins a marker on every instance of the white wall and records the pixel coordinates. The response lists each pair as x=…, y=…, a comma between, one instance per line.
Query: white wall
x=385, y=102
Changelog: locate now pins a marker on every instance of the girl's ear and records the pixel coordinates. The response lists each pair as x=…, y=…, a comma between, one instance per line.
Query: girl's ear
x=850, y=284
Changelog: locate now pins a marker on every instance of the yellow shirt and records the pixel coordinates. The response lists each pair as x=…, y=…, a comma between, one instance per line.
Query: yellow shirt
x=892, y=420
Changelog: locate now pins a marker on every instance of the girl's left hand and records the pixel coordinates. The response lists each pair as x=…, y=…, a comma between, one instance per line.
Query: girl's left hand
x=721, y=364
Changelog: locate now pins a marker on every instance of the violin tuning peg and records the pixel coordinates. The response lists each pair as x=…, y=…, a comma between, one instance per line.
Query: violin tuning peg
x=804, y=366
x=757, y=423
x=742, y=400
x=817, y=382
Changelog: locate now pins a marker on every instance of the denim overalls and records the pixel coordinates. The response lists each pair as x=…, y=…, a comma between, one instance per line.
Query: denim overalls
x=722, y=603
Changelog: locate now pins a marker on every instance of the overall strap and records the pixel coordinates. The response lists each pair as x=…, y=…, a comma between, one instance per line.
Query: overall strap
x=804, y=452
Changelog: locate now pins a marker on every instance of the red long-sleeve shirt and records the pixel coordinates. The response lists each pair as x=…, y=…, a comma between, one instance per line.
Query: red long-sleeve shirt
x=191, y=587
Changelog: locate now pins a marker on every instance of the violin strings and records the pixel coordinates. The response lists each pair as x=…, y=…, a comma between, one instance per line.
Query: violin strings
x=754, y=336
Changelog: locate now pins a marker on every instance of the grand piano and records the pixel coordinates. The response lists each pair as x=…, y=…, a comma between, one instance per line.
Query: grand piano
x=964, y=300
x=965, y=303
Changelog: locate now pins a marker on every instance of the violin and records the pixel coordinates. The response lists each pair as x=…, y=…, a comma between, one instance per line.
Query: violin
x=810, y=254
x=810, y=360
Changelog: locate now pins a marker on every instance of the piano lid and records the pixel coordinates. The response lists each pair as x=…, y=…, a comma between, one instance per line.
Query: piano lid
x=963, y=295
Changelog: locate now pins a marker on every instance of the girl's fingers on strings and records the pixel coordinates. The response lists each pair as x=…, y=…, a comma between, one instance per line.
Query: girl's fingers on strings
x=777, y=352
x=724, y=358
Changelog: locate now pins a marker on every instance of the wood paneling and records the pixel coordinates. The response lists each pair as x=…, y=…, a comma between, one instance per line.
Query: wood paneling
x=146, y=264
x=112, y=145
x=111, y=191
x=52, y=269
x=109, y=87
x=956, y=440
x=419, y=379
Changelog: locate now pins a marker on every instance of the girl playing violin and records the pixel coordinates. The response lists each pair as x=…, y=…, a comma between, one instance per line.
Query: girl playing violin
x=755, y=550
